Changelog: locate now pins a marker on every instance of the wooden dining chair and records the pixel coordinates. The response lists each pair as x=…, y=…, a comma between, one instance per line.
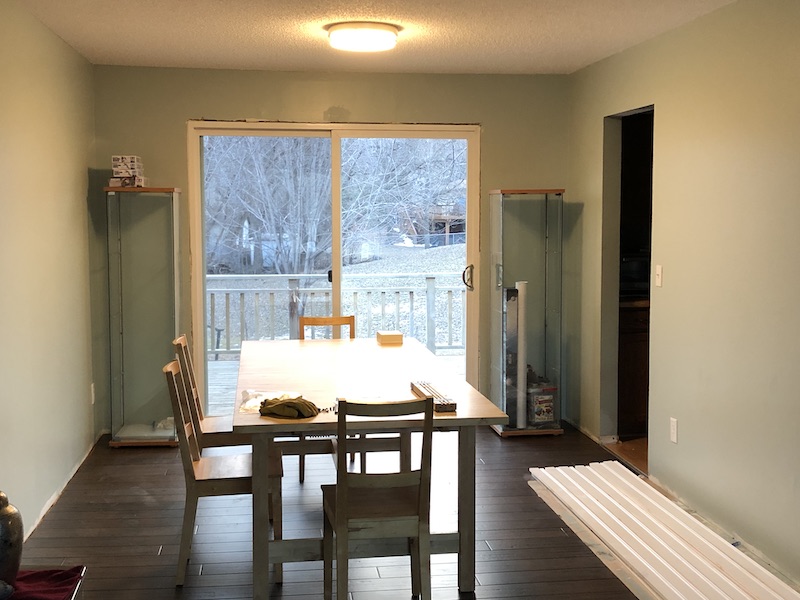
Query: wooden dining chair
x=378, y=505
x=224, y=474
x=211, y=431
x=350, y=321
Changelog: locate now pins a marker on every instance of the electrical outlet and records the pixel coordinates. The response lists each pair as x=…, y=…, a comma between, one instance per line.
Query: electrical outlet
x=91, y=392
x=673, y=430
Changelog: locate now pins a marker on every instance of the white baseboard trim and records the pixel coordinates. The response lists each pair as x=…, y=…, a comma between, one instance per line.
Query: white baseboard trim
x=57, y=494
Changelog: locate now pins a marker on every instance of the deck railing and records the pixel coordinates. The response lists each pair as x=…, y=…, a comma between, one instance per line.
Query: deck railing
x=427, y=306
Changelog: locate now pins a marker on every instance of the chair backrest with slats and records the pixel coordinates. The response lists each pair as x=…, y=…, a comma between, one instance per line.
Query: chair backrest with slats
x=349, y=320
x=187, y=437
x=403, y=476
x=187, y=368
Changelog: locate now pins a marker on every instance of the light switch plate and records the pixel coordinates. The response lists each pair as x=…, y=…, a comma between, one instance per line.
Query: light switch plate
x=659, y=276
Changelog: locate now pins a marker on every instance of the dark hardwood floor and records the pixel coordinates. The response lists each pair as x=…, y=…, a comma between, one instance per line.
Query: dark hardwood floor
x=121, y=516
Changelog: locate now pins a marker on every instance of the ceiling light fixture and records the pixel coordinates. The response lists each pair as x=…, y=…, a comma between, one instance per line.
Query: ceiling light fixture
x=363, y=36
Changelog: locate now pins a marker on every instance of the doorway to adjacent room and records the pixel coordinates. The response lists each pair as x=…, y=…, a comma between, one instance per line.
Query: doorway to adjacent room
x=633, y=195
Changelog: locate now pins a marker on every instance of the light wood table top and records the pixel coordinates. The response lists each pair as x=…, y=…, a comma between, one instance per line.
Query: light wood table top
x=359, y=369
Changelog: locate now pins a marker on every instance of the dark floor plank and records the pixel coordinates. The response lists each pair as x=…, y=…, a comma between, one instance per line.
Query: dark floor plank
x=121, y=516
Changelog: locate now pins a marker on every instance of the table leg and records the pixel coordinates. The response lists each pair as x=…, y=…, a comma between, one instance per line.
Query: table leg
x=466, y=510
x=261, y=448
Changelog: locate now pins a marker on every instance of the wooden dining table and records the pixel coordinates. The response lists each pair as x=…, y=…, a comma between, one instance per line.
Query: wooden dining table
x=355, y=369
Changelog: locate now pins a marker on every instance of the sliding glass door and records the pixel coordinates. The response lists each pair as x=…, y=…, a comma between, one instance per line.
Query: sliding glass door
x=293, y=220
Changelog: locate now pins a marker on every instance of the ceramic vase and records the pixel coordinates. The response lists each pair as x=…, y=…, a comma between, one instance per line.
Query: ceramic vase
x=10, y=540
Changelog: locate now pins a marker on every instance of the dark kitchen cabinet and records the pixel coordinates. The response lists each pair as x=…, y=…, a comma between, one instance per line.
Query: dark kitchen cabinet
x=633, y=382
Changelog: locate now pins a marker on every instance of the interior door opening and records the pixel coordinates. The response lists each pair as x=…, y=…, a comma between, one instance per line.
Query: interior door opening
x=636, y=197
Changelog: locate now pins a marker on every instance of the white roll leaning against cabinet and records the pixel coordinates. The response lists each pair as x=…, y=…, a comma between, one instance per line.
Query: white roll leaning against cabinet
x=143, y=311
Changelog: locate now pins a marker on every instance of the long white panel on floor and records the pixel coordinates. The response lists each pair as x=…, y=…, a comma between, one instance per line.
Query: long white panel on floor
x=732, y=562
x=677, y=555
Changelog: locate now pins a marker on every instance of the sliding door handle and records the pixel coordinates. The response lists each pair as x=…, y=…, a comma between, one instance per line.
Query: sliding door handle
x=466, y=277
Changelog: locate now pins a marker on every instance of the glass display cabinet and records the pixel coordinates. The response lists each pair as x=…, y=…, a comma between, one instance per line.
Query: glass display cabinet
x=526, y=239
x=143, y=311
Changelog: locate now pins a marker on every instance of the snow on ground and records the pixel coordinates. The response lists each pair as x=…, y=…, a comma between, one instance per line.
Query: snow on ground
x=403, y=259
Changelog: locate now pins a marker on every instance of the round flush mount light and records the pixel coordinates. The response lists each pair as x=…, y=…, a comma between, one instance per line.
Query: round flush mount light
x=363, y=36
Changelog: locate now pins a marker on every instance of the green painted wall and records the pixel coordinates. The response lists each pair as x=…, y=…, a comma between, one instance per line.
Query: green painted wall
x=725, y=332
x=46, y=137
x=523, y=119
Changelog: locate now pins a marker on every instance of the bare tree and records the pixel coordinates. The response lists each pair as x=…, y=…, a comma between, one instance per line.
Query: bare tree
x=268, y=199
x=395, y=184
x=278, y=189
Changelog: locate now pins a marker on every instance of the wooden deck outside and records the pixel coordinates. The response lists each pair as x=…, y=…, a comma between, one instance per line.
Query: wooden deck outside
x=222, y=376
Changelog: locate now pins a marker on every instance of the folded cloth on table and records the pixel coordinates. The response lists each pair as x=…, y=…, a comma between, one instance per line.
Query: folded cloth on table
x=292, y=408
x=277, y=404
x=55, y=584
x=252, y=400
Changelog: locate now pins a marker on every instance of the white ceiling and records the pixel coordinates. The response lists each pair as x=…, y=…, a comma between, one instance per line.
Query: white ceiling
x=438, y=36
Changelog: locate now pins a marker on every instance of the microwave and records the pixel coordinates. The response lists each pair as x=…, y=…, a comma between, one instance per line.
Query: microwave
x=634, y=276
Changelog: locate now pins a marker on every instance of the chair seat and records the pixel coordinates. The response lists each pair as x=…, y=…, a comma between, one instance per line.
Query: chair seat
x=224, y=466
x=218, y=431
x=217, y=424
x=236, y=466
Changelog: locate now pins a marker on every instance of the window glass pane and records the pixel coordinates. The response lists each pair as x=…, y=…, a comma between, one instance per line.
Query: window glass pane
x=267, y=223
x=404, y=236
